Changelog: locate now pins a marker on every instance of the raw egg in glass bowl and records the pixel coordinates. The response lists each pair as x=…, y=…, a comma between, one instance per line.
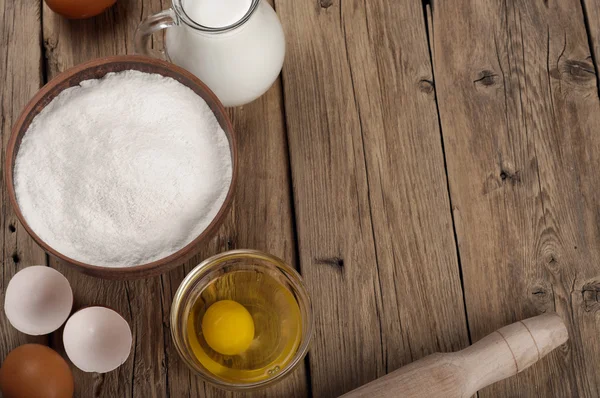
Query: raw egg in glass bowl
x=242, y=320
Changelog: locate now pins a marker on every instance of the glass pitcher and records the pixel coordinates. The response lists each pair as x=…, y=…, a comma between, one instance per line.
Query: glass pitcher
x=236, y=47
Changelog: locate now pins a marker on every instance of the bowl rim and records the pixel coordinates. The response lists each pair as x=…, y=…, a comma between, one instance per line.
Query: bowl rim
x=143, y=270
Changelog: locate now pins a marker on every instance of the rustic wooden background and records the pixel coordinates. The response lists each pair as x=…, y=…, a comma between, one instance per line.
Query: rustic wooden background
x=431, y=168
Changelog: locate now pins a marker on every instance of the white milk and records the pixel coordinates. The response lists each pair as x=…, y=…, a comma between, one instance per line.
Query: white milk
x=216, y=13
x=238, y=65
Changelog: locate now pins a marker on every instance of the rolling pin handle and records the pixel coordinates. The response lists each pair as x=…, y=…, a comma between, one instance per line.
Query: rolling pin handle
x=512, y=349
x=497, y=356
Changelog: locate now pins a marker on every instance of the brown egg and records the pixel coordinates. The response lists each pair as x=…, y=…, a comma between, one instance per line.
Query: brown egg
x=79, y=9
x=34, y=370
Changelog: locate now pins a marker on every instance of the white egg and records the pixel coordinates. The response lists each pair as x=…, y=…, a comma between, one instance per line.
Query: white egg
x=38, y=300
x=97, y=339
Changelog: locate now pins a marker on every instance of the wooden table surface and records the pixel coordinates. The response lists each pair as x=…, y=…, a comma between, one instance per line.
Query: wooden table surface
x=431, y=169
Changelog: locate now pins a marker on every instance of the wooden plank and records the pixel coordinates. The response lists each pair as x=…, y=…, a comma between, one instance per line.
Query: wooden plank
x=68, y=43
x=519, y=112
x=591, y=13
x=373, y=218
x=21, y=76
x=261, y=218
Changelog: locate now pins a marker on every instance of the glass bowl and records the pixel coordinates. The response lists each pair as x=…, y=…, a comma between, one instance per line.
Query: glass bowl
x=205, y=276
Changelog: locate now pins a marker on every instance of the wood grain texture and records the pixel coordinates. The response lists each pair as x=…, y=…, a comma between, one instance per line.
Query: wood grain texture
x=67, y=43
x=591, y=14
x=519, y=108
x=261, y=218
x=519, y=112
x=373, y=218
x=21, y=74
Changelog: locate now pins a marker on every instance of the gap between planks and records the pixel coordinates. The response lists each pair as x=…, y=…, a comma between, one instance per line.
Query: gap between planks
x=428, y=17
x=590, y=38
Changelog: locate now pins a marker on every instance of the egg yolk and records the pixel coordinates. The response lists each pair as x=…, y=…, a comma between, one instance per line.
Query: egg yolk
x=228, y=327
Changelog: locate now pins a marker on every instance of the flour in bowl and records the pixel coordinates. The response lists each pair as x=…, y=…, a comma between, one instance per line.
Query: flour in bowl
x=123, y=170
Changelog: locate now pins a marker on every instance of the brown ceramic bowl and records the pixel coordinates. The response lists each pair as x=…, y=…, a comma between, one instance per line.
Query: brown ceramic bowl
x=93, y=70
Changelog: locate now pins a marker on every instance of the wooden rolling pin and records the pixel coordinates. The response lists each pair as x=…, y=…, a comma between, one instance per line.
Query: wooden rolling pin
x=497, y=356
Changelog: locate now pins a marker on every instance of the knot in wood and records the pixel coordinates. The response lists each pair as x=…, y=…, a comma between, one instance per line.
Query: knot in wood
x=325, y=3
x=579, y=72
x=542, y=298
x=486, y=78
x=230, y=244
x=335, y=261
x=507, y=175
x=426, y=86
x=591, y=296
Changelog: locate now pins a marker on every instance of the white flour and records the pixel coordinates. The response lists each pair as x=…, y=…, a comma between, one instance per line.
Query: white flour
x=124, y=170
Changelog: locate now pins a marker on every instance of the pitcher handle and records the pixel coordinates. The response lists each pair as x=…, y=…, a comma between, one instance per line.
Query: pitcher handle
x=151, y=24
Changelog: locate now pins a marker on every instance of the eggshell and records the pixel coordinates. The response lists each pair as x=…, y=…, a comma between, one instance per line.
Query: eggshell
x=34, y=370
x=97, y=339
x=38, y=300
x=79, y=9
